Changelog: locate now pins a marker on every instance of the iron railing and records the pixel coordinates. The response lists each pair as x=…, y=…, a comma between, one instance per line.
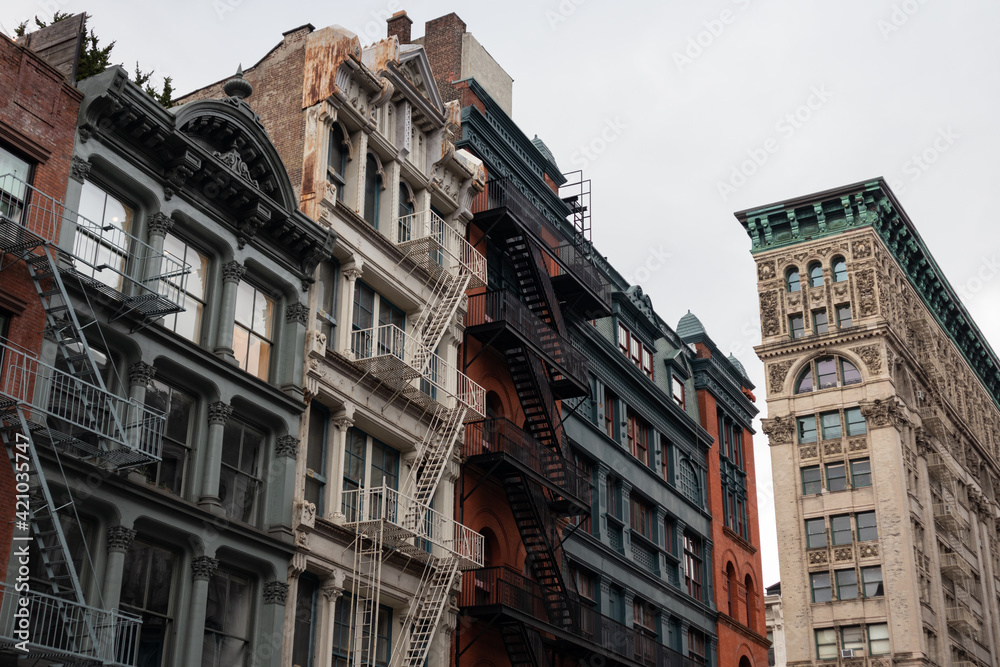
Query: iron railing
x=504, y=306
x=501, y=436
x=392, y=355
x=509, y=588
x=572, y=258
x=80, y=409
x=38, y=624
x=427, y=234
x=104, y=254
x=410, y=526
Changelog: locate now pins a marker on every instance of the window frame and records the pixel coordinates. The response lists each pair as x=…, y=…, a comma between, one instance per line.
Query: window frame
x=809, y=484
x=802, y=432
x=267, y=341
x=838, y=268
x=864, y=474
x=333, y=175
x=872, y=527
x=841, y=309
x=841, y=479
x=824, y=646
x=821, y=324
x=693, y=566
x=858, y=426
x=637, y=434
x=796, y=326
x=227, y=609
x=819, y=536
x=844, y=585
x=791, y=285
x=190, y=250
x=879, y=583
x=372, y=202
x=872, y=640
x=823, y=592
x=841, y=530
x=257, y=466
x=153, y=471
x=815, y=279
x=677, y=390
x=167, y=616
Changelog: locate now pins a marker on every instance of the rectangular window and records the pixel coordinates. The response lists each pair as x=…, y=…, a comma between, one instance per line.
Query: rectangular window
x=168, y=473
x=253, y=331
x=614, y=490
x=623, y=339
x=811, y=480
x=239, y=479
x=384, y=466
x=815, y=533
x=847, y=584
x=692, y=566
x=807, y=428
x=840, y=529
x=227, y=621
x=327, y=293
x=819, y=321
x=146, y=584
x=867, y=528
x=836, y=477
x=844, y=316
x=647, y=362
x=319, y=431
x=831, y=425
x=871, y=579
x=861, y=473
x=696, y=647
x=186, y=323
x=638, y=438
x=666, y=453
x=820, y=583
x=641, y=517
x=305, y=618
x=878, y=638
x=855, y=421
x=826, y=644
x=102, y=241
x=609, y=414
x=12, y=193
x=796, y=326
x=852, y=638
x=677, y=390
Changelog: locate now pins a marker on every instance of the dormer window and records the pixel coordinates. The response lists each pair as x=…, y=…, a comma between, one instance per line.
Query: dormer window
x=336, y=159
x=639, y=354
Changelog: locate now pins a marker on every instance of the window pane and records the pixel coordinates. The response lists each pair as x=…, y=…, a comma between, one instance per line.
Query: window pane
x=796, y=326
x=861, y=473
x=819, y=321
x=847, y=584
x=836, y=477
x=815, y=275
x=821, y=591
x=849, y=372
x=867, y=529
x=855, y=421
x=839, y=270
x=878, y=638
x=826, y=370
x=244, y=303
x=840, y=529
x=815, y=533
x=831, y=425
x=807, y=429
x=852, y=637
x=844, y=317
x=793, y=280
x=872, y=578
x=811, y=480
x=826, y=644
x=805, y=382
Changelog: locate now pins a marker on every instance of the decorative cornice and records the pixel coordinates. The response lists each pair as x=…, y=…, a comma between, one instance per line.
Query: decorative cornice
x=883, y=412
x=275, y=592
x=779, y=430
x=287, y=446
x=140, y=373
x=219, y=412
x=203, y=567
x=232, y=272
x=120, y=539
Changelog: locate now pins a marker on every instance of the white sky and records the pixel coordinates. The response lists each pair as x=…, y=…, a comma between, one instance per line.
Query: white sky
x=889, y=81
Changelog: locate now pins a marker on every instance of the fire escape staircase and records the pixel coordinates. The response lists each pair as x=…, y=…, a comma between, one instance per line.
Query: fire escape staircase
x=524, y=645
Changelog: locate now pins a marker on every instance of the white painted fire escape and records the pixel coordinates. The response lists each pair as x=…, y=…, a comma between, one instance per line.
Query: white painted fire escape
x=67, y=408
x=387, y=520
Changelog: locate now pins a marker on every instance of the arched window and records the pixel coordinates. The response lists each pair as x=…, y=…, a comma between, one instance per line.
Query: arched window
x=373, y=191
x=405, y=224
x=792, y=279
x=689, y=482
x=827, y=372
x=751, y=602
x=732, y=584
x=839, y=270
x=815, y=274
x=336, y=159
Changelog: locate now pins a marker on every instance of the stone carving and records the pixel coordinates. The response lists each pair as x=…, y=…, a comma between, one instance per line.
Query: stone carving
x=234, y=161
x=275, y=592
x=770, y=325
x=831, y=448
x=332, y=592
x=872, y=357
x=808, y=452
x=140, y=373
x=842, y=554
x=857, y=444
x=120, y=538
x=865, y=283
x=819, y=557
x=776, y=374
x=882, y=413
x=247, y=229
x=287, y=446
x=297, y=312
x=219, y=412
x=305, y=515
x=232, y=272
x=779, y=430
x=868, y=550
x=203, y=567
x=861, y=249
x=79, y=169
x=765, y=270
x=159, y=223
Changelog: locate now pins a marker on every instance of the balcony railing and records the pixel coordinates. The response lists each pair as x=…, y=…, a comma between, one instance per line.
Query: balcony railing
x=954, y=566
x=433, y=242
x=133, y=433
x=106, y=257
x=501, y=586
x=572, y=260
x=500, y=436
x=390, y=354
x=53, y=627
x=962, y=619
x=503, y=306
x=411, y=527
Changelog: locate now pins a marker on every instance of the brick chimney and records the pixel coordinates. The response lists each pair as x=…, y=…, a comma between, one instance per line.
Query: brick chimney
x=443, y=44
x=399, y=25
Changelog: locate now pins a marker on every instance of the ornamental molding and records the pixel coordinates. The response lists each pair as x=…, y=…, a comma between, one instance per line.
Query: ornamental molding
x=120, y=539
x=275, y=592
x=297, y=312
x=233, y=272
x=883, y=412
x=79, y=169
x=203, y=567
x=287, y=446
x=140, y=373
x=234, y=161
x=779, y=430
x=159, y=223
x=872, y=356
x=219, y=413
x=776, y=375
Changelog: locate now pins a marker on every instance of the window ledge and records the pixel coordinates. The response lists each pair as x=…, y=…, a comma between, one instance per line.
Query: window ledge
x=739, y=539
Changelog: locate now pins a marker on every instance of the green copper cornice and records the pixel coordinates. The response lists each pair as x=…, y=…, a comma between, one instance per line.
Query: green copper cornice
x=873, y=204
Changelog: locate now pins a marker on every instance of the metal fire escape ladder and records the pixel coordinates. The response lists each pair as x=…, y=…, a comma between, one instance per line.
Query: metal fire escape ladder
x=533, y=280
x=367, y=593
x=439, y=312
x=524, y=646
x=428, y=606
x=433, y=454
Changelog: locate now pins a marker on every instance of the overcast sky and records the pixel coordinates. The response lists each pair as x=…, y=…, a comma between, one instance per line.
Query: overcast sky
x=663, y=104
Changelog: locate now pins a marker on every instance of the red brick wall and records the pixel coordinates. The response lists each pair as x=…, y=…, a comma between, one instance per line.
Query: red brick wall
x=443, y=44
x=38, y=113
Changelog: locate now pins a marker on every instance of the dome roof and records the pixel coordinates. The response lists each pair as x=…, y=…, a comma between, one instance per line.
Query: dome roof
x=690, y=325
x=736, y=362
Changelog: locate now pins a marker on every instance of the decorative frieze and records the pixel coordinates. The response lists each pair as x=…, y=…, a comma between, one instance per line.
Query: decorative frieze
x=872, y=356
x=776, y=374
x=287, y=446
x=140, y=373
x=79, y=169
x=882, y=413
x=770, y=325
x=233, y=272
x=159, y=223
x=864, y=282
x=297, y=312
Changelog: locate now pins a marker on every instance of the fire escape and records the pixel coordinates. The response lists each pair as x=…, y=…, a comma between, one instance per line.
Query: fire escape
x=66, y=408
x=386, y=520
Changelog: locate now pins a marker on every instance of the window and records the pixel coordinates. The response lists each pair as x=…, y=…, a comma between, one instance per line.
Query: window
x=368, y=302
x=849, y=373
x=327, y=294
x=878, y=638
x=253, y=330
x=404, y=224
x=690, y=482
x=638, y=437
x=836, y=477
x=844, y=316
x=839, y=270
x=168, y=473
x=828, y=372
x=796, y=326
x=831, y=425
x=816, y=275
x=319, y=433
x=644, y=616
x=101, y=236
x=855, y=421
x=641, y=517
x=819, y=321
x=820, y=584
x=847, y=584
x=623, y=337
x=384, y=465
x=677, y=390
x=826, y=644
x=373, y=191
x=852, y=638
x=696, y=646
x=146, y=583
x=227, y=621
x=638, y=353
x=647, y=362
x=586, y=467
x=770, y=649
x=609, y=414
x=12, y=193
x=614, y=490
x=692, y=566
x=861, y=473
x=336, y=158
x=871, y=579
x=805, y=383
x=666, y=457
x=815, y=533
x=239, y=481
x=807, y=428
x=341, y=639
x=187, y=323
x=305, y=617
x=867, y=528
x=811, y=480
x=840, y=529
x=792, y=280
x=368, y=463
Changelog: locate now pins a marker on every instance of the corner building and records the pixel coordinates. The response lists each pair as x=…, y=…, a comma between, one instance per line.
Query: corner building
x=883, y=421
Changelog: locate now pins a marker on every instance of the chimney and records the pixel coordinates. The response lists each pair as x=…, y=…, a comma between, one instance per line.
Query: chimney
x=443, y=44
x=399, y=25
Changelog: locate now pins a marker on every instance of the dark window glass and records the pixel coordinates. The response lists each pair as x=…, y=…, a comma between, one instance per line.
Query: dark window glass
x=820, y=582
x=811, y=480
x=796, y=326
x=805, y=383
x=831, y=425
x=239, y=480
x=146, y=578
x=792, y=280
x=815, y=533
x=836, y=477
x=871, y=579
x=861, y=473
x=807, y=428
x=819, y=321
x=373, y=191
x=840, y=529
x=305, y=614
x=826, y=371
x=227, y=621
x=867, y=528
x=168, y=473
x=855, y=421
x=839, y=270
x=849, y=372
x=844, y=316
x=815, y=275
x=847, y=584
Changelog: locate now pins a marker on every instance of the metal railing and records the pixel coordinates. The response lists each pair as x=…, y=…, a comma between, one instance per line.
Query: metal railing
x=391, y=354
x=47, y=625
x=105, y=253
x=501, y=436
x=953, y=565
x=509, y=588
x=427, y=232
x=504, y=306
x=414, y=524
x=78, y=408
x=572, y=258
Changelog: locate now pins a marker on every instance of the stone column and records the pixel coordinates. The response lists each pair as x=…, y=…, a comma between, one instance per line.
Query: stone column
x=232, y=273
x=202, y=569
x=267, y=644
x=679, y=528
x=661, y=539
x=218, y=414
x=334, y=497
x=627, y=517
x=289, y=369
x=281, y=483
x=119, y=540
x=158, y=225
x=331, y=590
x=601, y=524
x=139, y=375
x=345, y=306
x=296, y=568
x=708, y=597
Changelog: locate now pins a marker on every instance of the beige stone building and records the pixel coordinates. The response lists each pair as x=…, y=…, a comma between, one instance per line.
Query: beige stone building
x=882, y=400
